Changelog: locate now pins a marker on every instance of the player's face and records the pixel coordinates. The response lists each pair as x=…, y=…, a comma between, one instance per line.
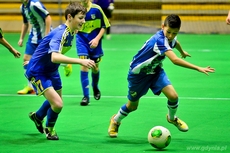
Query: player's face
x=170, y=33
x=78, y=21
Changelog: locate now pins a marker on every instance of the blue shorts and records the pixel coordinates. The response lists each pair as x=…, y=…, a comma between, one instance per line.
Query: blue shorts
x=85, y=50
x=30, y=48
x=139, y=84
x=42, y=82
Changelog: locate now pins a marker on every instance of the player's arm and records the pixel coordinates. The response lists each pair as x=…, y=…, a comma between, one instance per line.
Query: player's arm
x=25, y=27
x=5, y=43
x=228, y=18
x=183, y=53
x=111, y=5
x=60, y=58
x=180, y=62
x=94, y=42
x=48, y=22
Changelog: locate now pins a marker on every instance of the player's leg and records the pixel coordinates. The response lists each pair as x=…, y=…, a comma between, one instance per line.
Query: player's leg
x=52, y=106
x=40, y=84
x=123, y=112
x=30, y=48
x=84, y=83
x=162, y=84
x=38, y=116
x=172, y=104
x=56, y=103
x=95, y=79
x=136, y=90
x=54, y=96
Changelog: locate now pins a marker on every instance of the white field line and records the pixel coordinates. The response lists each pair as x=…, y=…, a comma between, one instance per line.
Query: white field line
x=121, y=97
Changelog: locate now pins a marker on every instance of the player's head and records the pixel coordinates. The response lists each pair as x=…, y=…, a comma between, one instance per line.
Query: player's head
x=171, y=26
x=75, y=15
x=172, y=21
x=74, y=8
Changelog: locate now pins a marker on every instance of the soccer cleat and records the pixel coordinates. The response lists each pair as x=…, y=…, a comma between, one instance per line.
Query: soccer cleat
x=96, y=93
x=181, y=125
x=38, y=123
x=68, y=69
x=84, y=101
x=26, y=90
x=113, y=128
x=51, y=133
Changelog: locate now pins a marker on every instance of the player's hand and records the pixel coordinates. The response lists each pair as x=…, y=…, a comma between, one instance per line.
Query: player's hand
x=93, y=43
x=88, y=63
x=206, y=70
x=228, y=20
x=111, y=7
x=16, y=54
x=185, y=54
x=25, y=63
x=20, y=42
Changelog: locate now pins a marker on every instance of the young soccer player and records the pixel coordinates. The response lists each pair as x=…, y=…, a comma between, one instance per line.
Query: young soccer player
x=89, y=46
x=6, y=44
x=107, y=7
x=33, y=12
x=146, y=73
x=42, y=69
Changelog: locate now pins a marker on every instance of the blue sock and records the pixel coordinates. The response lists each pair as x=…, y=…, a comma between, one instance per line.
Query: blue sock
x=85, y=83
x=124, y=110
x=51, y=118
x=42, y=112
x=95, y=79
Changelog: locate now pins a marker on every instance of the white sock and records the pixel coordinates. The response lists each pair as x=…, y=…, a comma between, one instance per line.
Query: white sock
x=120, y=115
x=172, y=109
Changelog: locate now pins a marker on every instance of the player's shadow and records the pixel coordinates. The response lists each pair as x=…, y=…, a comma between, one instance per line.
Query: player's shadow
x=26, y=139
x=120, y=140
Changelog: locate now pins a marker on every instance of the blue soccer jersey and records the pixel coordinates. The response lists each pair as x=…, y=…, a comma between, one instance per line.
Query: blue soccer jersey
x=149, y=58
x=35, y=13
x=58, y=40
x=95, y=20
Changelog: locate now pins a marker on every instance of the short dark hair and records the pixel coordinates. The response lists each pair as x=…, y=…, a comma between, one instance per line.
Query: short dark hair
x=74, y=8
x=173, y=21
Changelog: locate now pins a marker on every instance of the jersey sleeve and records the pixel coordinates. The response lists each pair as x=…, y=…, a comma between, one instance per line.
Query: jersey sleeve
x=104, y=20
x=55, y=43
x=1, y=33
x=23, y=15
x=40, y=9
x=162, y=45
x=59, y=41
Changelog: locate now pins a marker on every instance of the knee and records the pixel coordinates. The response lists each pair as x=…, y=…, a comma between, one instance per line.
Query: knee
x=132, y=106
x=173, y=98
x=57, y=107
x=95, y=70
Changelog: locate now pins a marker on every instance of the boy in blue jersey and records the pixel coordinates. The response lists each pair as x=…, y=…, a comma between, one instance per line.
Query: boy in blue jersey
x=89, y=46
x=146, y=73
x=107, y=6
x=42, y=69
x=33, y=13
x=6, y=44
